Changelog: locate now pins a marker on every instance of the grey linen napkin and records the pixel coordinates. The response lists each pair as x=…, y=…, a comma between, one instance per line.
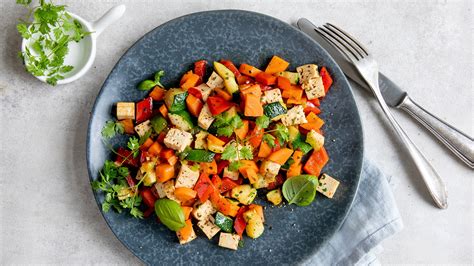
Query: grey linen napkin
x=372, y=218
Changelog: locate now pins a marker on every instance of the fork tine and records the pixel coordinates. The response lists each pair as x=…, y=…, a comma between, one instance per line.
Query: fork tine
x=346, y=42
x=340, y=44
x=336, y=44
x=354, y=40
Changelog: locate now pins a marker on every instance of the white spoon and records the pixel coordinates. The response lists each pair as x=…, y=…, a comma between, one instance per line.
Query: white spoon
x=82, y=54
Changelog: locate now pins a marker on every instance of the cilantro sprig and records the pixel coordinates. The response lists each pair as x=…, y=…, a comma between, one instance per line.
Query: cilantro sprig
x=113, y=183
x=49, y=29
x=226, y=124
x=111, y=128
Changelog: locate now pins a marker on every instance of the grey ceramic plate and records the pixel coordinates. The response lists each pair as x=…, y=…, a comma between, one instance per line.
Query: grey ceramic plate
x=292, y=234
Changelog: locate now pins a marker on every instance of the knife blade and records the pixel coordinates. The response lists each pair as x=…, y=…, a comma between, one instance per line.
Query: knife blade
x=392, y=94
x=461, y=144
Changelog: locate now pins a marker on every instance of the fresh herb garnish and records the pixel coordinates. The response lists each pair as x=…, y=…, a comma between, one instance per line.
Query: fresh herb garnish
x=269, y=139
x=226, y=124
x=282, y=133
x=133, y=146
x=300, y=190
x=170, y=214
x=149, y=84
x=111, y=128
x=263, y=121
x=231, y=153
x=113, y=183
x=48, y=29
x=234, y=166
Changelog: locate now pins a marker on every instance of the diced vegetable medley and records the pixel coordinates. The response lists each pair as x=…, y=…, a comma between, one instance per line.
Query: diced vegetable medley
x=198, y=155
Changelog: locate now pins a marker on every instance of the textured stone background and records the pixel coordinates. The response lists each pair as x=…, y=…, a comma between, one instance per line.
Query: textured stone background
x=47, y=211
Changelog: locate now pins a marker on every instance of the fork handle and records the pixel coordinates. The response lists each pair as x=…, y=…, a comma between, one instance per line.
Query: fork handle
x=458, y=142
x=433, y=181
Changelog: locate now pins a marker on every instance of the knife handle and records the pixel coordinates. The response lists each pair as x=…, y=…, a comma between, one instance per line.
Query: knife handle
x=458, y=142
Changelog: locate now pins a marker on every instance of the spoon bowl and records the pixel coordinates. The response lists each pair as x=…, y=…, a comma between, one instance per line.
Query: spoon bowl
x=82, y=54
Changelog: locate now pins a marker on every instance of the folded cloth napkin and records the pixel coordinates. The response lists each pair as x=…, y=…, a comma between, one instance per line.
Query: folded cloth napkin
x=373, y=217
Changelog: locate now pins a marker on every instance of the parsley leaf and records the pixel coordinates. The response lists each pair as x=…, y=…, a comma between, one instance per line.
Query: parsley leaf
x=234, y=166
x=48, y=29
x=133, y=145
x=263, y=121
x=246, y=153
x=230, y=152
x=226, y=124
x=269, y=139
x=282, y=133
x=118, y=195
x=111, y=128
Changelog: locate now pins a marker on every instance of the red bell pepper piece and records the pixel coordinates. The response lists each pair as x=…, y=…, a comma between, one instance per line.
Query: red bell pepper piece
x=195, y=92
x=231, y=67
x=218, y=105
x=227, y=184
x=221, y=165
x=204, y=187
x=265, y=87
x=144, y=110
x=130, y=181
x=148, y=197
x=316, y=162
x=239, y=223
x=200, y=69
x=316, y=102
x=148, y=212
x=279, y=180
x=161, y=137
x=225, y=139
x=327, y=80
x=125, y=157
x=311, y=107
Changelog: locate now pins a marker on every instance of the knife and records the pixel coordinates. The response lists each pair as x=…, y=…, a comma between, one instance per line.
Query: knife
x=458, y=142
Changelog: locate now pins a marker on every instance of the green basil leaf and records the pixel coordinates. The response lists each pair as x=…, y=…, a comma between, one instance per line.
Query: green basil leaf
x=300, y=190
x=170, y=214
x=146, y=85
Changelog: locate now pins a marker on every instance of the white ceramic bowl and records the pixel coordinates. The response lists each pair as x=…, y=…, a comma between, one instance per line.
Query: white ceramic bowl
x=82, y=54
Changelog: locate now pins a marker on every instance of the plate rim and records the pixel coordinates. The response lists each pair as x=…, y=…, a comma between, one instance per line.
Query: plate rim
x=344, y=79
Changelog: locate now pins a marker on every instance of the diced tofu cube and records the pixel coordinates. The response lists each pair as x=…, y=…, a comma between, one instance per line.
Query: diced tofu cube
x=230, y=241
x=306, y=72
x=178, y=140
x=125, y=110
x=208, y=227
x=269, y=169
x=143, y=128
x=200, y=142
x=205, y=118
x=314, y=88
x=166, y=189
x=327, y=185
x=232, y=175
x=272, y=96
x=202, y=211
x=191, y=237
x=294, y=116
x=187, y=177
x=205, y=90
x=215, y=81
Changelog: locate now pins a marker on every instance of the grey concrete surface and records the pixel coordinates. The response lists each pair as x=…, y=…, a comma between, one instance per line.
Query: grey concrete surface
x=47, y=211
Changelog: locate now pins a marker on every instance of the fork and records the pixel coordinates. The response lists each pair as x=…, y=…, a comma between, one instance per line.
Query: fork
x=367, y=67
